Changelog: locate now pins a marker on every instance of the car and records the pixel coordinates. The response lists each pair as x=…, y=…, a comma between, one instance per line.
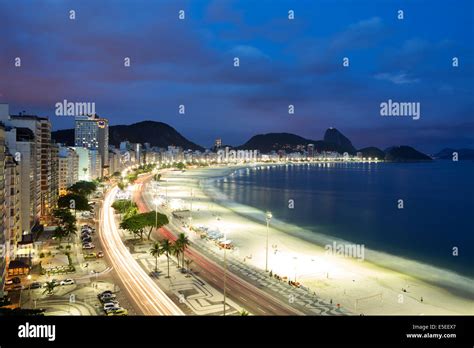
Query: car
x=88, y=246
x=86, y=226
x=107, y=297
x=35, y=285
x=90, y=256
x=105, y=292
x=111, y=301
x=9, y=282
x=67, y=282
x=100, y=254
x=17, y=287
x=110, y=306
x=86, y=214
x=86, y=240
x=117, y=311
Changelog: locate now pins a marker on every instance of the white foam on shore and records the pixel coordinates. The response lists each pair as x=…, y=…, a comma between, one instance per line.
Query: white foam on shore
x=455, y=283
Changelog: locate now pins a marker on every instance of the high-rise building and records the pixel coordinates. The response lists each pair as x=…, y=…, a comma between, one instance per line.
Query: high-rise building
x=92, y=132
x=22, y=145
x=13, y=223
x=54, y=175
x=218, y=143
x=68, y=163
x=3, y=230
x=310, y=150
x=41, y=128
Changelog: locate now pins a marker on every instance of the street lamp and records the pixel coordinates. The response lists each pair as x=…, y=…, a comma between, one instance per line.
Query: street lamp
x=268, y=217
x=225, y=260
x=156, y=201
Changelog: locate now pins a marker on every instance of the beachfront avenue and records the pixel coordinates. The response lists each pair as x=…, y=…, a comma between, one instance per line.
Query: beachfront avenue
x=250, y=290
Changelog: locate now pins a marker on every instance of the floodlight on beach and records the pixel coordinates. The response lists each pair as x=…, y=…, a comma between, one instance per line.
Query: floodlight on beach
x=268, y=217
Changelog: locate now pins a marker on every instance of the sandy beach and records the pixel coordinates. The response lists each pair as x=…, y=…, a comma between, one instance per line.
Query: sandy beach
x=373, y=285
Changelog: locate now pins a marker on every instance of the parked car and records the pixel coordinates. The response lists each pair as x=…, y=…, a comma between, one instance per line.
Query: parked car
x=88, y=246
x=17, y=287
x=9, y=282
x=110, y=306
x=35, y=285
x=86, y=226
x=100, y=254
x=118, y=311
x=67, y=282
x=90, y=256
x=106, y=297
x=111, y=301
x=86, y=240
x=105, y=292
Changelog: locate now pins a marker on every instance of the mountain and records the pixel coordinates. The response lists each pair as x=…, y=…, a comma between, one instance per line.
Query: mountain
x=342, y=143
x=373, y=152
x=156, y=133
x=285, y=141
x=463, y=154
x=405, y=154
x=273, y=142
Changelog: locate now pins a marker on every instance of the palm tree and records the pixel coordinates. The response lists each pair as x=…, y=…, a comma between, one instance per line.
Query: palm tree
x=183, y=243
x=244, y=313
x=176, y=249
x=188, y=263
x=49, y=287
x=156, y=251
x=167, y=248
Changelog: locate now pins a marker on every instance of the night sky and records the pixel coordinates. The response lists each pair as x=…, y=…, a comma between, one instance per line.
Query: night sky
x=282, y=62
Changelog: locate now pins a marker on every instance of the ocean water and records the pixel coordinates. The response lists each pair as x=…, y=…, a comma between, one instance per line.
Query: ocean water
x=358, y=202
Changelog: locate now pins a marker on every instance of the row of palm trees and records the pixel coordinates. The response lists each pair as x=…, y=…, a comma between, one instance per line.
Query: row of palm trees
x=168, y=248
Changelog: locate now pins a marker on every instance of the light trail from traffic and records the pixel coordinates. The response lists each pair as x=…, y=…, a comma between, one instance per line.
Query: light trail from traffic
x=150, y=299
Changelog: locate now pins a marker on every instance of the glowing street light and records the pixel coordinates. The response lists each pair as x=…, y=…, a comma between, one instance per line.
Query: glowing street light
x=156, y=201
x=268, y=217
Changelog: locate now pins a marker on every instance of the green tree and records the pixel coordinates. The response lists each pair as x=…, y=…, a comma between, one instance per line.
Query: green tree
x=121, y=185
x=167, y=248
x=244, y=313
x=83, y=188
x=66, y=223
x=79, y=202
x=182, y=243
x=176, y=250
x=180, y=165
x=156, y=251
x=188, y=264
x=122, y=206
x=49, y=287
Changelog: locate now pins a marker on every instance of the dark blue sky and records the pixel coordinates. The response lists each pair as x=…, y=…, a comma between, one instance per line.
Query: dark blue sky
x=282, y=62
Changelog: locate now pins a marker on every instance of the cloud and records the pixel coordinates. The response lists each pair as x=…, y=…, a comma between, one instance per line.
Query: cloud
x=362, y=34
x=400, y=78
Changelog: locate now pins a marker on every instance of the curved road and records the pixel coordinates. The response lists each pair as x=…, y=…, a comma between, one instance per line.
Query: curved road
x=149, y=298
x=249, y=296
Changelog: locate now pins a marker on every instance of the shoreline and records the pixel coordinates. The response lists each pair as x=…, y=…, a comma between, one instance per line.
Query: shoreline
x=300, y=253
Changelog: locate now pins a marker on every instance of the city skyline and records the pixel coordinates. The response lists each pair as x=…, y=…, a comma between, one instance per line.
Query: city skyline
x=282, y=62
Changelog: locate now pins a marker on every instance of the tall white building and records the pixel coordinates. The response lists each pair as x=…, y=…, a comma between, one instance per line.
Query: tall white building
x=68, y=168
x=92, y=132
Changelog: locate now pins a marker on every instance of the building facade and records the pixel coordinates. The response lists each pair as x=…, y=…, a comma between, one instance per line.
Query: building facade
x=92, y=132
